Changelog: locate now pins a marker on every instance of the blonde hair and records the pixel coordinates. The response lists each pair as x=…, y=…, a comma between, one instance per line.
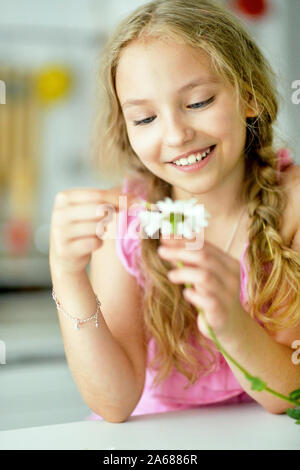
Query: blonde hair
x=169, y=319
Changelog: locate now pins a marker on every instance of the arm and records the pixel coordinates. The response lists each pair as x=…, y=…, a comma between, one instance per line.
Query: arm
x=263, y=357
x=98, y=364
x=107, y=363
x=271, y=359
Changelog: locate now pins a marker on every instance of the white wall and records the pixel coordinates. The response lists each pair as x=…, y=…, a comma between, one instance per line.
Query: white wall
x=276, y=36
x=36, y=32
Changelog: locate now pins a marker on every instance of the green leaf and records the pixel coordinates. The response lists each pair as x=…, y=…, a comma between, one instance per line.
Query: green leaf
x=295, y=394
x=257, y=384
x=293, y=413
x=297, y=422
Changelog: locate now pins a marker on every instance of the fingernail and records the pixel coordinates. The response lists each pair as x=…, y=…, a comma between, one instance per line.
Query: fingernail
x=100, y=211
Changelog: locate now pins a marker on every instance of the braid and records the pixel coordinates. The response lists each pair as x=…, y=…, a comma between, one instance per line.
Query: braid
x=272, y=262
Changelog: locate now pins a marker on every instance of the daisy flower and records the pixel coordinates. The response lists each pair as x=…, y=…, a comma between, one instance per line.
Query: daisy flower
x=179, y=217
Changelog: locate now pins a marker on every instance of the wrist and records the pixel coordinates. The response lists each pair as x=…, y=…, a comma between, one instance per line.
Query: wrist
x=234, y=337
x=77, y=321
x=61, y=271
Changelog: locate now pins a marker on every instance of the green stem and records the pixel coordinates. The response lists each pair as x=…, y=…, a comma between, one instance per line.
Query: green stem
x=226, y=354
x=244, y=371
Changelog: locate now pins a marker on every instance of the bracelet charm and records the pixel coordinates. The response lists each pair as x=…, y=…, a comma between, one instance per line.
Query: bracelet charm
x=78, y=321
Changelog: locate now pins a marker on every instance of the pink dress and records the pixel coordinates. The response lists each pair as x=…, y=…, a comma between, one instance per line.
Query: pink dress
x=220, y=386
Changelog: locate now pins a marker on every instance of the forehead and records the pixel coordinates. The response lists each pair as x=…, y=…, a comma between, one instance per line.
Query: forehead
x=155, y=62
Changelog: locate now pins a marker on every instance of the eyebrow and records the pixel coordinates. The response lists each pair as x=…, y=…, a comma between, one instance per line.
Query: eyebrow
x=187, y=86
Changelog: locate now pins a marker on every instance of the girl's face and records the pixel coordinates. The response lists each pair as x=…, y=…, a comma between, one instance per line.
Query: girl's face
x=174, y=103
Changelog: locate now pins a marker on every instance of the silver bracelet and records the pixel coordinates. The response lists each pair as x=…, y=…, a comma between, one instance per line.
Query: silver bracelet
x=78, y=321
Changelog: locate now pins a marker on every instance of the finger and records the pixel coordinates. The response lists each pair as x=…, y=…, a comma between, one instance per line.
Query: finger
x=174, y=240
x=191, y=258
x=179, y=263
x=78, y=196
x=83, y=230
x=209, y=311
x=202, y=326
x=189, y=275
x=120, y=200
x=224, y=258
x=179, y=254
x=205, y=303
x=92, y=195
x=84, y=246
x=216, y=259
x=83, y=212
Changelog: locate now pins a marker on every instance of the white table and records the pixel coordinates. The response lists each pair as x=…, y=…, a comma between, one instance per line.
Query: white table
x=245, y=426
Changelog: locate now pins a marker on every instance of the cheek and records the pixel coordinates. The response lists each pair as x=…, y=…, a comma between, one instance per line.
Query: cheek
x=220, y=122
x=144, y=143
x=229, y=128
x=223, y=121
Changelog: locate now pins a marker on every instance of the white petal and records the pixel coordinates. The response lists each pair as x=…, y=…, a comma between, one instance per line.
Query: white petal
x=152, y=227
x=150, y=230
x=166, y=228
x=187, y=233
x=150, y=221
x=200, y=216
x=145, y=218
x=178, y=207
x=179, y=228
x=166, y=205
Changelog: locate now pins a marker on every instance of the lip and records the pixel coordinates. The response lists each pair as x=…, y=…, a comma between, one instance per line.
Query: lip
x=196, y=166
x=186, y=155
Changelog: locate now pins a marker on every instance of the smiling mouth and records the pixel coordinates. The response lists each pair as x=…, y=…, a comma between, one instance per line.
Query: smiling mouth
x=193, y=158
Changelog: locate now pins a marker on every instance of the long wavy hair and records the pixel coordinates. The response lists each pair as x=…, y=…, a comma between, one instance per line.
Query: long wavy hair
x=273, y=294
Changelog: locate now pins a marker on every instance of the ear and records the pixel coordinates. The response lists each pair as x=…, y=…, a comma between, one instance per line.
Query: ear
x=251, y=113
x=251, y=109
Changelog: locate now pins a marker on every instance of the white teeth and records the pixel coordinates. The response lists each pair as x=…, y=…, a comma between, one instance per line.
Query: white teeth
x=195, y=157
x=191, y=159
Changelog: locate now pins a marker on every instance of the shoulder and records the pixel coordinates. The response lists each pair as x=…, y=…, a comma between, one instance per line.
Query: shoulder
x=291, y=174
x=291, y=184
x=295, y=201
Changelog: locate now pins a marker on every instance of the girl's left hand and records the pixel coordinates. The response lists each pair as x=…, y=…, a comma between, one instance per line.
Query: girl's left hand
x=215, y=277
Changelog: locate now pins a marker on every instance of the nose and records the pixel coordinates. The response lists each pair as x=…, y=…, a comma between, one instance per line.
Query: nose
x=177, y=131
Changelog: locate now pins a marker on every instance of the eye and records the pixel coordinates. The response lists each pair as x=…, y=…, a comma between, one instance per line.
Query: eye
x=144, y=121
x=201, y=104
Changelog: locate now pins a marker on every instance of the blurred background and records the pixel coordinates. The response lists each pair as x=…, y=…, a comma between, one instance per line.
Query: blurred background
x=49, y=56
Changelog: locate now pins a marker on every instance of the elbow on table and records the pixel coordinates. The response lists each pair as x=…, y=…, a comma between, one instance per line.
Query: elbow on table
x=111, y=415
x=277, y=411
x=116, y=420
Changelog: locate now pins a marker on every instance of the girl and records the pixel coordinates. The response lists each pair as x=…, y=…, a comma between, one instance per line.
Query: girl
x=180, y=79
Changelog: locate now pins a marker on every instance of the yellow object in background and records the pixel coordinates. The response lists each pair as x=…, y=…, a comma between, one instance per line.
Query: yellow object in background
x=52, y=83
x=29, y=93
x=19, y=162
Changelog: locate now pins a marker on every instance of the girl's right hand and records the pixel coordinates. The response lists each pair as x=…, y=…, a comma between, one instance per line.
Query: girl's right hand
x=78, y=225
